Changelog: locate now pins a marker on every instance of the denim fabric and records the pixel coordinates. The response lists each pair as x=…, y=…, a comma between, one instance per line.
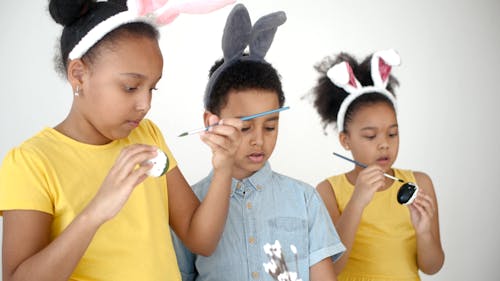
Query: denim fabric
x=264, y=208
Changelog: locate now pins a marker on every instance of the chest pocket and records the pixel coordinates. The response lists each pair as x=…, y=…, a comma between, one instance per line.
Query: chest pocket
x=290, y=231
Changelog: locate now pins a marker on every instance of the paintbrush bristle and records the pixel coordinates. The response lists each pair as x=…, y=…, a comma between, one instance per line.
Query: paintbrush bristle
x=183, y=134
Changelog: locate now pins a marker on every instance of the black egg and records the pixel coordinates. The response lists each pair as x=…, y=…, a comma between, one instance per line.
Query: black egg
x=407, y=193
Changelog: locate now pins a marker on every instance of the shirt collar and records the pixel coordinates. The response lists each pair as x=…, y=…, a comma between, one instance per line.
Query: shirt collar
x=258, y=181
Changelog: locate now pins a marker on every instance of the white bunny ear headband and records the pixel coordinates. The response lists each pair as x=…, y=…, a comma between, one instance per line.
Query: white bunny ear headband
x=342, y=76
x=154, y=12
x=239, y=33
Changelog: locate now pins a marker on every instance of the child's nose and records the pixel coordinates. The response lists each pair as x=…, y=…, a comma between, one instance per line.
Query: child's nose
x=384, y=144
x=257, y=138
x=143, y=102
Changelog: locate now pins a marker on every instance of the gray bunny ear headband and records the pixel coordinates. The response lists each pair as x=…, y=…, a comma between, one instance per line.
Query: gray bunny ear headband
x=238, y=34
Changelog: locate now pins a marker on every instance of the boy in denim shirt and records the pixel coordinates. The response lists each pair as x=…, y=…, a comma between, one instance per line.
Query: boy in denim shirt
x=265, y=206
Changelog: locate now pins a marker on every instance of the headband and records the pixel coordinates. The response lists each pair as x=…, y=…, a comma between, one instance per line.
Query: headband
x=238, y=34
x=154, y=12
x=341, y=75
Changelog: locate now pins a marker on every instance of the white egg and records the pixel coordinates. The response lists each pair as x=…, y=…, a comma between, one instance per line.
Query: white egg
x=160, y=164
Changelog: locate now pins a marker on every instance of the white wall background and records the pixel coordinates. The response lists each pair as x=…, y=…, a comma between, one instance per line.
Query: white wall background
x=447, y=99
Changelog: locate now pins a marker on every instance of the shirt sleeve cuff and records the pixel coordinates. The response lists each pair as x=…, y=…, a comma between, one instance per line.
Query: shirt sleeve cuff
x=334, y=251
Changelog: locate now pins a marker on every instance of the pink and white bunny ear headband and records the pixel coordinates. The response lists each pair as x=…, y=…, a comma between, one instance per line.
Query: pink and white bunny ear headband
x=342, y=76
x=154, y=12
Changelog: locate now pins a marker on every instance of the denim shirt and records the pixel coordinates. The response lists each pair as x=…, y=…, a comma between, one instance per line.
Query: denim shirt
x=264, y=207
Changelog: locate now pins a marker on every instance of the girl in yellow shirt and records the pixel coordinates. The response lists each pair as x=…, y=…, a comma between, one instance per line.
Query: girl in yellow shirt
x=76, y=199
x=384, y=240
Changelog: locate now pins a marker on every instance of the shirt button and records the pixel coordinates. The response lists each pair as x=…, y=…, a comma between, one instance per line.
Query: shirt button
x=249, y=205
x=251, y=240
x=255, y=275
x=259, y=187
x=238, y=185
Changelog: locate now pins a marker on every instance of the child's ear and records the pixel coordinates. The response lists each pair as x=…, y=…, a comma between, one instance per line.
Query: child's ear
x=344, y=140
x=206, y=118
x=76, y=73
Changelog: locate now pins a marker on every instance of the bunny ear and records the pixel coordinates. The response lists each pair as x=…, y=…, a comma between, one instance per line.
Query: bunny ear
x=171, y=12
x=143, y=7
x=381, y=66
x=342, y=75
x=263, y=33
x=236, y=32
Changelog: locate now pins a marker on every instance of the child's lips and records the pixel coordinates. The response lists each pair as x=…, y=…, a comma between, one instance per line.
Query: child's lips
x=256, y=157
x=383, y=160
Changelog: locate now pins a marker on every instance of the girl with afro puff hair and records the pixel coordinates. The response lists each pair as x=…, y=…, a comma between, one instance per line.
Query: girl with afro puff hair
x=384, y=239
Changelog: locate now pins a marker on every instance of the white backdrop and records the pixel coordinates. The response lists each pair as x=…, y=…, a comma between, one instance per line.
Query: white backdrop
x=447, y=99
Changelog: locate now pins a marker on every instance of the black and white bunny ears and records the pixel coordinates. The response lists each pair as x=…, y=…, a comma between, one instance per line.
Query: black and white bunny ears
x=238, y=34
x=342, y=76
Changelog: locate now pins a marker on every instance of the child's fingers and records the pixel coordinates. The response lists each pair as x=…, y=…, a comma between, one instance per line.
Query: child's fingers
x=214, y=141
x=425, y=203
x=233, y=122
x=130, y=157
x=213, y=120
x=139, y=174
x=224, y=130
x=374, y=176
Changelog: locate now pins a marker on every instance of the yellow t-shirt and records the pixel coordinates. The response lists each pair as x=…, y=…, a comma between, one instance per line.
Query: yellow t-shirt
x=384, y=245
x=57, y=175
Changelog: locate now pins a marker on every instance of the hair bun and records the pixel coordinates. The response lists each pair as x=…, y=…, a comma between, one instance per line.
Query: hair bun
x=66, y=12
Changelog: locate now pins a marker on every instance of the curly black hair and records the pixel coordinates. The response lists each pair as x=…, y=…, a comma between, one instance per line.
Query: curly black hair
x=242, y=75
x=327, y=97
x=78, y=17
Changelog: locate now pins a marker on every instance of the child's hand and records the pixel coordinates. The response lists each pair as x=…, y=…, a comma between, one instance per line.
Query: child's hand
x=422, y=210
x=129, y=170
x=224, y=139
x=369, y=181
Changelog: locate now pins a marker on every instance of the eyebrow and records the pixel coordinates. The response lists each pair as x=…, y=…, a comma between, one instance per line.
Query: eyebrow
x=135, y=75
x=374, y=128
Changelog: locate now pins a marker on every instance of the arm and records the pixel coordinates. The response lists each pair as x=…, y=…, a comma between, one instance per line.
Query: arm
x=424, y=216
x=28, y=253
x=323, y=271
x=200, y=225
x=368, y=182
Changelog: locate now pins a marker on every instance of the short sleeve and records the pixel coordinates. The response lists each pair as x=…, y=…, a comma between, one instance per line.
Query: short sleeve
x=324, y=240
x=23, y=182
x=160, y=142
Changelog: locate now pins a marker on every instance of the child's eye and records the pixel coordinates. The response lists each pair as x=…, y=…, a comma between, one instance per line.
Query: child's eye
x=270, y=129
x=130, y=89
x=244, y=129
x=393, y=135
x=369, y=137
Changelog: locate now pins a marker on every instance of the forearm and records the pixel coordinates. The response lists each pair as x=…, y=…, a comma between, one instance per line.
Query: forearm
x=323, y=271
x=58, y=259
x=430, y=255
x=347, y=226
x=210, y=217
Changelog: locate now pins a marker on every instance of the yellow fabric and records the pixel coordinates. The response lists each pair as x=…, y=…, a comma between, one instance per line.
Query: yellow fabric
x=57, y=175
x=385, y=245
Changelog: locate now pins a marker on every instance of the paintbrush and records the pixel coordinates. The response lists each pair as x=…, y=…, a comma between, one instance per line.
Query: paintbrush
x=364, y=166
x=244, y=118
